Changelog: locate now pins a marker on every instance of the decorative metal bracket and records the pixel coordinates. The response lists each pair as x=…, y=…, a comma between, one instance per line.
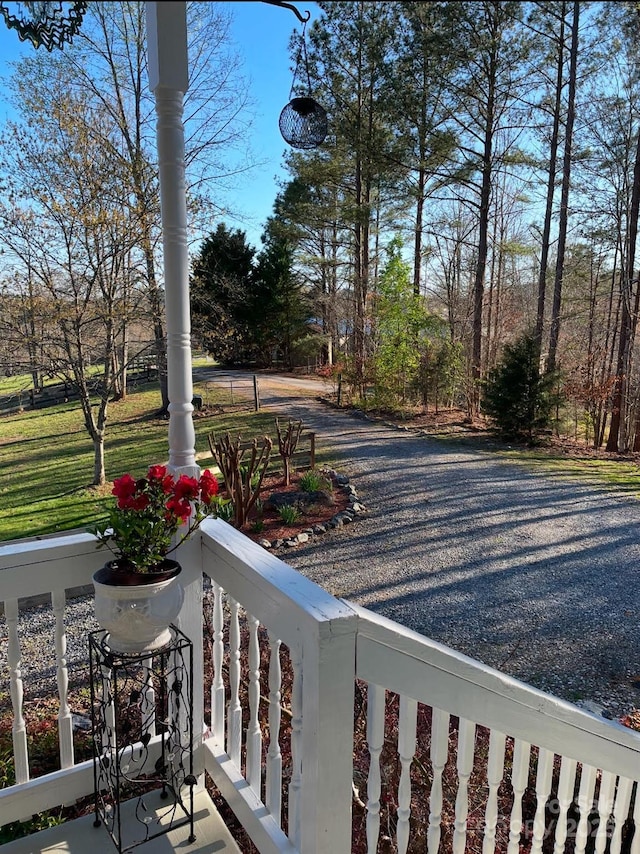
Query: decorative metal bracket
x=303, y=121
x=46, y=23
x=289, y=6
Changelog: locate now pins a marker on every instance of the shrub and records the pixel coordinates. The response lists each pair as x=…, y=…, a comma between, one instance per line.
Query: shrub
x=517, y=395
x=253, y=477
x=243, y=469
x=287, y=443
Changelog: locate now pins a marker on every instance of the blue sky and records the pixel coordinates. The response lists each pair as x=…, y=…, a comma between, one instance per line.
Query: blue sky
x=261, y=34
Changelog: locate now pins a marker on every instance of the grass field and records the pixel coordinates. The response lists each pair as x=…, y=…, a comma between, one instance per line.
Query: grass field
x=46, y=459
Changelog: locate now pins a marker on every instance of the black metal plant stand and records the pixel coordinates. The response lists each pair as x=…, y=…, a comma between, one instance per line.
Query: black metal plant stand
x=142, y=720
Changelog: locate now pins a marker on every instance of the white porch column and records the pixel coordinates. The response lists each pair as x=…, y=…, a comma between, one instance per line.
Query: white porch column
x=169, y=80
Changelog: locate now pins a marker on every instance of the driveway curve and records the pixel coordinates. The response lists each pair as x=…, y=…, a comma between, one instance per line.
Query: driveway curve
x=537, y=575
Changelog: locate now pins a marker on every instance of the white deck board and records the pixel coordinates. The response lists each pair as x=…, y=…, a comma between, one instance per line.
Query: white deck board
x=81, y=837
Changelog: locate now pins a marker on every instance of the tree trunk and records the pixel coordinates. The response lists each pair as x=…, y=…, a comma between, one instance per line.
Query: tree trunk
x=98, y=460
x=481, y=264
x=554, y=333
x=616, y=439
x=333, y=298
x=417, y=242
x=157, y=311
x=551, y=181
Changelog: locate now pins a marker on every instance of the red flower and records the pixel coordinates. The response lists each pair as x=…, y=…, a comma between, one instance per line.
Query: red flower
x=186, y=489
x=208, y=486
x=179, y=507
x=124, y=488
x=139, y=502
x=162, y=505
x=157, y=472
x=158, y=476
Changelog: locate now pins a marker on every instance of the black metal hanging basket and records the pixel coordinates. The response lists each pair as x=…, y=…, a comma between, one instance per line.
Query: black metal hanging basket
x=303, y=123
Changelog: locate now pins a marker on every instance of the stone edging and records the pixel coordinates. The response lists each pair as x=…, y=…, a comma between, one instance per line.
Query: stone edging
x=345, y=517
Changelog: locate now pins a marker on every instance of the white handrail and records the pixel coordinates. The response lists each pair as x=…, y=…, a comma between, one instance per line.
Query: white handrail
x=42, y=566
x=408, y=663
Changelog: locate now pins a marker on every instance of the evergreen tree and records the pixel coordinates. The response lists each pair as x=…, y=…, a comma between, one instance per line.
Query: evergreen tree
x=441, y=370
x=518, y=396
x=278, y=311
x=420, y=80
x=352, y=46
x=492, y=77
x=220, y=287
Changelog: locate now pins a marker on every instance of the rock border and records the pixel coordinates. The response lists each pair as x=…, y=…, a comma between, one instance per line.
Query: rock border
x=345, y=517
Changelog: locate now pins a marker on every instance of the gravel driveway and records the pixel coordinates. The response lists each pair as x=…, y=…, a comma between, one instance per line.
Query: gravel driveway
x=535, y=575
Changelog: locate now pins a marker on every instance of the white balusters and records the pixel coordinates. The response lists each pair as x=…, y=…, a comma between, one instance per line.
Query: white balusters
x=495, y=769
x=296, y=747
x=375, y=740
x=544, y=773
x=234, y=738
x=519, y=779
x=620, y=812
x=19, y=729
x=65, y=722
x=217, y=685
x=466, y=744
x=439, y=752
x=605, y=808
x=406, y=750
x=585, y=802
x=254, y=733
x=566, y=785
x=274, y=756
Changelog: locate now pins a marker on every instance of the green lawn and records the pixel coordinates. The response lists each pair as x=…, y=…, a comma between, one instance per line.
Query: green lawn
x=618, y=474
x=11, y=386
x=46, y=459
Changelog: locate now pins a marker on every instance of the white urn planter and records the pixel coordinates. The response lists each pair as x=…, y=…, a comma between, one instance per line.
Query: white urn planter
x=137, y=608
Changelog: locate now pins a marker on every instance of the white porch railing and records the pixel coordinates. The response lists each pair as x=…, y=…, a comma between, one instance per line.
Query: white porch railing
x=319, y=634
x=448, y=754
x=490, y=741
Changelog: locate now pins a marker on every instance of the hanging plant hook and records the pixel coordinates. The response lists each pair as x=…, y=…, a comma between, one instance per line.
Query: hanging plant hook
x=290, y=6
x=303, y=122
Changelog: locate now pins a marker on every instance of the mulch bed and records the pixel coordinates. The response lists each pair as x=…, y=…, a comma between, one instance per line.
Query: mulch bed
x=268, y=524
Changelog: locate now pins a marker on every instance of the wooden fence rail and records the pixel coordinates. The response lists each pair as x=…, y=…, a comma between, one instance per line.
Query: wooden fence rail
x=305, y=454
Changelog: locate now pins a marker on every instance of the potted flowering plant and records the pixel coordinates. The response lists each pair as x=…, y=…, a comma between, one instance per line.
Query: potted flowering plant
x=148, y=514
x=137, y=592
